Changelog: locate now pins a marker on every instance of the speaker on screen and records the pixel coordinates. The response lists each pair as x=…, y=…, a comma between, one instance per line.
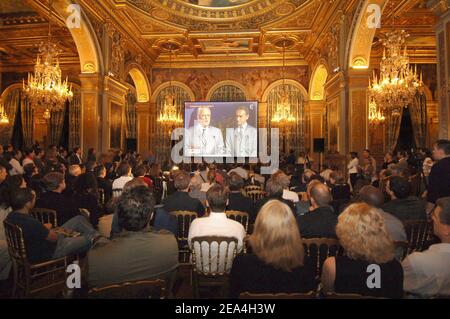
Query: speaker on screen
x=319, y=145
x=131, y=144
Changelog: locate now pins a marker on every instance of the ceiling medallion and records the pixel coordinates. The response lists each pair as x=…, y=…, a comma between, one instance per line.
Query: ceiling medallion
x=285, y=9
x=160, y=14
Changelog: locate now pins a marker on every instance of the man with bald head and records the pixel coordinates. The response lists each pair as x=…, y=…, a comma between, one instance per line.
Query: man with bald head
x=321, y=220
x=374, y=197
x=202, y=139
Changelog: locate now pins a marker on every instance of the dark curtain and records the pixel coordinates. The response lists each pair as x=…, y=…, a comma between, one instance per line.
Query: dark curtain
x=17, y=135
x=64, y=141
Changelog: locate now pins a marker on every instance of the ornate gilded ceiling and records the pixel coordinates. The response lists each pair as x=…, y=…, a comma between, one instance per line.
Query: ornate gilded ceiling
x=21, y=32
x=210, y=33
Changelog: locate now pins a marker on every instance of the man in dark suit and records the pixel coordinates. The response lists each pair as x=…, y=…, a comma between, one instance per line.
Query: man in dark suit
x=103, y=182
x=180, y=200
x=53, y=199
x=402, y=205
x=237, y=201
x=75, y=158
x=320, y=221
x=439, y=179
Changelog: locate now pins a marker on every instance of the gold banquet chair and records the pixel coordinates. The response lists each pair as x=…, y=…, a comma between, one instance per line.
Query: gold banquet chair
x=209, y=269
x=45, y=216
x=250, y=188
x=256, y=195
x=319, y=249
x=241, y=217
x=418, y=233
x=308, y=295
x=46, y=279
x=184, y=220
x=141, y=289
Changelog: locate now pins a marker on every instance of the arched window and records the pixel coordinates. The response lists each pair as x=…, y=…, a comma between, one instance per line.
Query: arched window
x=294, y=138
x=227, y=93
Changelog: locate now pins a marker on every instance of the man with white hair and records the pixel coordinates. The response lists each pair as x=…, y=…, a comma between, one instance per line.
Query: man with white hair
x=202, y=139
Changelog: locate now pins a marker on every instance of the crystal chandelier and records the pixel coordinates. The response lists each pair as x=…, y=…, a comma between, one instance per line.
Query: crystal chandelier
x=282, y=113
x=45, y=88
x=169, y=113
x=376, y=117
x=4, y=120
x=398, y=82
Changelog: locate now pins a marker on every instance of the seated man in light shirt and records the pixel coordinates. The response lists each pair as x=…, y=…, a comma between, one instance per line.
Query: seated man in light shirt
x=427, y=273
x=203, y=139
x=217, y=224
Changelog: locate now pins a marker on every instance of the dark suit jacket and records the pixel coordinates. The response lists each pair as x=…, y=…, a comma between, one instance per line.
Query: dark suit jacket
x=106, y=185
x=64, y=206
x=237, y=201
x=410, y=208
x=182, y=201
x=319, y=223
x=439, y=180
x=73, y=159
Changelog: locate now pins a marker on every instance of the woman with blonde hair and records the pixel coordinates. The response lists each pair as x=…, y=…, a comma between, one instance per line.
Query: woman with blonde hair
x=278, y=263
x=369, y=266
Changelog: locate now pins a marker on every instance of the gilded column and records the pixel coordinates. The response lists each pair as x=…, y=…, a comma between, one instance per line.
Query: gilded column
x=143, y=128
x=442, y=28
x=91, y=109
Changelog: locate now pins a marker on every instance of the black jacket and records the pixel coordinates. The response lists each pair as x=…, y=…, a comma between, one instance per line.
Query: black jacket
x=406, y=209
x=319, y=223
x=182, y=201
x=237, y=201
x=64, y=206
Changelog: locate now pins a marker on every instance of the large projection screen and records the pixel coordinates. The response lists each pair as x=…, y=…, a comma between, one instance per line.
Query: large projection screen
x=221, y=129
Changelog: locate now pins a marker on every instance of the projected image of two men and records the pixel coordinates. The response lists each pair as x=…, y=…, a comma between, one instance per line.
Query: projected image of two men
x=226, y=129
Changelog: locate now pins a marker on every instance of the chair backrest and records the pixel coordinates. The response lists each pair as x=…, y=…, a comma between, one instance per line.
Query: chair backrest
x=308, y=295
x=241, y=217
x=349, y=296
x=16, y=242
x=128, y=290
x=116, y=192
x=184, y=219
x=213, y=255
x=249, y=188
x=45, y=216
x=101, y=197
x=318, y=249
x=418, y=233
x=256, y=195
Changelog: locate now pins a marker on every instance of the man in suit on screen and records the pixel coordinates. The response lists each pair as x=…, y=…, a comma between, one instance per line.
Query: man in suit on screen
x=203, y=139
x=242, y=140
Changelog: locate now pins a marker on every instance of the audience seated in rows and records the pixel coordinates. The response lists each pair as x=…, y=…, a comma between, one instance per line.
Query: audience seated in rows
x=427, y=273
x=180, y=200
x=369, y=256
x=136, y=252
x=402, y=205
x=278, y=262
x=321, y=220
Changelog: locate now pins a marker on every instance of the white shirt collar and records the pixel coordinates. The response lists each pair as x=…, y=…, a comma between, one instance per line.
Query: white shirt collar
x=243, y=126
x=218, y=215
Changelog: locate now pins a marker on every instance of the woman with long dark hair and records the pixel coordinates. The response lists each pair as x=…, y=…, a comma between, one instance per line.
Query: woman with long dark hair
x=86, y=196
